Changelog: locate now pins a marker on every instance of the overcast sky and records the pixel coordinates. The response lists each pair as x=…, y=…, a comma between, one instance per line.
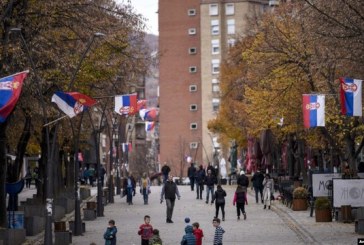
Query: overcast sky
x=148, y=9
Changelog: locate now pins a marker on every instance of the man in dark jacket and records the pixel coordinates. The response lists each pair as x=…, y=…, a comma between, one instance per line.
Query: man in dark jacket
x=200, y=179
x=165, y=171
x=169, y=192
x=210, y=181
x=243, y=181
x=191, y=175
x=257, y=180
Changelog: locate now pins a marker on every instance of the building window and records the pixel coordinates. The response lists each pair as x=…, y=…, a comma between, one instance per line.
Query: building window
x=193, y=88
x=215, y=88
x=215, y=66
x=229, y=9
x=192, y=50
x=215, y=27
x=214, y=80
x=192, y=31
x=214, y=9
x=231, y=42
x=231, y=27
x=191, y=12
x=215, y=104
x=193, y=107
x=192, y=69
x=193, y=145
x=193, y=126
x=215, y=46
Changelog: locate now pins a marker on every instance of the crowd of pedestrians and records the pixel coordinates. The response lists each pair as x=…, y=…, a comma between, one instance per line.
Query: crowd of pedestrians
x=200, y=179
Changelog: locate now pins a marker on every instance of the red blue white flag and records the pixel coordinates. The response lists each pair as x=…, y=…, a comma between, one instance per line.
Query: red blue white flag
x=10, y=89
x=126, y=147
x=149, y=126
x=313, y=108
x=141, y=104
x=350, y=96
x=148, y=114
x=72, y=103
x=126, y=104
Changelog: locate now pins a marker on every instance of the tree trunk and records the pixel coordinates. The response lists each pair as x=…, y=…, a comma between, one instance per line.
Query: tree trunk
x=3, y=219
x=14, y=170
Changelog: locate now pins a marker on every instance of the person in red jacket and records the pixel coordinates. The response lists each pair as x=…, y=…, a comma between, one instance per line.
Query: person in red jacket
x=198, y=233
x=146, y=230
x=240, y=200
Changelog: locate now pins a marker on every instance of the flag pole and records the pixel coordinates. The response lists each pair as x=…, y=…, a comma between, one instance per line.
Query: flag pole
x=26, y=71
x=45, y=125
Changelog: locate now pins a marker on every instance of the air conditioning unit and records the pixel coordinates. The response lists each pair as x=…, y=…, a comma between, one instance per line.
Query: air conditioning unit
x=273, y=3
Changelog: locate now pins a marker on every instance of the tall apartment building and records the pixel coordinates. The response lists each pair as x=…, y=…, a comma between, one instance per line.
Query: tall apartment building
x=194, y=37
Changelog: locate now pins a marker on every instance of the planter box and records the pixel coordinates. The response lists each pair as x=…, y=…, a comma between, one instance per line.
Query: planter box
x=12, y=236
x=323, y=215
x=299, y=204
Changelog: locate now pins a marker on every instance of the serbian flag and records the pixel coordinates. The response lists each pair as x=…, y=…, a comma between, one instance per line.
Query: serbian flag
x=313, y=108
x=126, y=104
x=10, y=88
x=126, y=147
x=350, y=97
x=72, y=103
x=141, y=104
x=148, y=114
x=149, y=126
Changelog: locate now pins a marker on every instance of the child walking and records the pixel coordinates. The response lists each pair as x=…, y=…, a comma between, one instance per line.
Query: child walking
x=219, y=199
x=145, y=230
x=188, y=238
x=219, y=231
x=155, y=239
x=197, y=232
x=110, y=233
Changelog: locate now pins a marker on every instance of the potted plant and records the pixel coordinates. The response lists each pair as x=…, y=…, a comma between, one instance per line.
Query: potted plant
x=323, y=209
x=299, y=202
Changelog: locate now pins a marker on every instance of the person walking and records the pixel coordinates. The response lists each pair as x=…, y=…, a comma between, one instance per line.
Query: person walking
x=198, y=233
x=257, y=181
x=210, y=181
x=191, y=175
x=243, y=180
x=200, y=179
x=219, y=231
x=145, y=231
x=145, y=187
x=239, y=201
x=102, y=174
x=169, y=192
x=91, y=175
x=110, y=233
x=28, y=178
x=268, y=190
x=219, y=199
x=188, y=238
x=129, y=185
x=165, y=171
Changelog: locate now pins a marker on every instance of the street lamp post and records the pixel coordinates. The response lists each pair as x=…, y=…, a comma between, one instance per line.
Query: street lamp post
x=118, y=186
x=78, y=221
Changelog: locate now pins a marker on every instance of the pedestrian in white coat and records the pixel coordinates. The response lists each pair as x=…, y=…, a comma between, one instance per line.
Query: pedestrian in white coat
x=268, y=190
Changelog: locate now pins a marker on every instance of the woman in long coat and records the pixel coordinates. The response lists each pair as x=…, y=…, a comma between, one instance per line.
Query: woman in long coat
x=268, y=190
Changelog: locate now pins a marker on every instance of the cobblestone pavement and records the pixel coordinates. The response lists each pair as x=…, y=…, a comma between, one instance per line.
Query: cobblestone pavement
x=279, y=225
